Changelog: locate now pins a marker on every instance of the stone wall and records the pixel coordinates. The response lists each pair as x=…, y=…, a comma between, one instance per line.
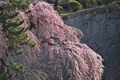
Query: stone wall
x=101, y=28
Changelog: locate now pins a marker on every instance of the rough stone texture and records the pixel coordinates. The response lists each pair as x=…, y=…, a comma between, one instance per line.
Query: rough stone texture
x=3, y=43
x=101, y=27
x=58, y=55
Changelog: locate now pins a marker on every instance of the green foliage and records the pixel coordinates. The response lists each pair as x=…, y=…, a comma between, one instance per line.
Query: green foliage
x=32, y=44
x=5, y=76
x=1, y=28
x=18, y=68
x=75, y=6
x=18, y=4
x=83, y=2
x=11, y=27
x=19, y=52
x=59, y=8
x=93, y=1
x=65, y=4
x=15, y=33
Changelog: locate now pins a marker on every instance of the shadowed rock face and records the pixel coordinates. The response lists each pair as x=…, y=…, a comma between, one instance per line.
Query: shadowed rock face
x=58, y=55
